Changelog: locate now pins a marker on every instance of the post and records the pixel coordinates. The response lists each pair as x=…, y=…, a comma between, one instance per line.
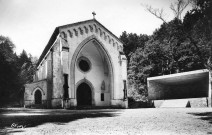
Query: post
x=65, y=89
x=209, y=90
x=125, y=90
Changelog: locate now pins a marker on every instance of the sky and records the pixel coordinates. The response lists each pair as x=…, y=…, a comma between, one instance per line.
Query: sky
x=30, y=23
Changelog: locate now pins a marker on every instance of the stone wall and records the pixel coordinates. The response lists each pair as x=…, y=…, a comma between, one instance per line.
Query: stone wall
x=57, y=90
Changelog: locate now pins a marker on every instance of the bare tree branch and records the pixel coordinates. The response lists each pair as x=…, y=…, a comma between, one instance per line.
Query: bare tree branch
x=159, y=13
x=178, y=7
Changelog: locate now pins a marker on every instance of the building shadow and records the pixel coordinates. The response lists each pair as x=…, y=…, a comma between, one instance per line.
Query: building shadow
x=10, y=131
x=207, y=116
x=204, y=116
x=35, y=117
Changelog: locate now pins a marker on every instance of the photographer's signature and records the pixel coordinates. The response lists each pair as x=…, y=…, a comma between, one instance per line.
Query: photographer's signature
x=14, y=125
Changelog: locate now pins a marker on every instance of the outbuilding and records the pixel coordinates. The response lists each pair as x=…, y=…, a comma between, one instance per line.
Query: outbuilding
x=185, y=85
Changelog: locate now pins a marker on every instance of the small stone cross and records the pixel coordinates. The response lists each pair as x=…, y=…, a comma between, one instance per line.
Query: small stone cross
x=93, y=15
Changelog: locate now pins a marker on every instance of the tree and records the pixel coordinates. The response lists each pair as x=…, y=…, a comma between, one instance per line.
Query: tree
x=132, y=41
x=178, y=7
x=27, y=67
x=15, y=71
x=198, y=26
x=159, y=13
x=167, y=51
x=135, y=74
x=9, y=80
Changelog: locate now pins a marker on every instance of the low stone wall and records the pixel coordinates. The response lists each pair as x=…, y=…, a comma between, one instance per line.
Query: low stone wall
x=119, y=103
x=157, y=103
x=194, y=102
x=198, y=102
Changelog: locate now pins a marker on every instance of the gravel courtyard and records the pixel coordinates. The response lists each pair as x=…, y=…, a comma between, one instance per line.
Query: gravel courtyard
x=148, y=121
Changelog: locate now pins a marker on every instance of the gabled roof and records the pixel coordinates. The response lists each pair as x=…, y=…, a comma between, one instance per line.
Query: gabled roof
x=57, y=30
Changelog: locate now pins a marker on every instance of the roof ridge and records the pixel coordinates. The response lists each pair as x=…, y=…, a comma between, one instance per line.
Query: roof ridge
x=76, y=23
x=57, y=30
x=72, y=24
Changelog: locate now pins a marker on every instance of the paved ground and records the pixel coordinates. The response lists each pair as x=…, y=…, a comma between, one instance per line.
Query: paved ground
x=191, y=121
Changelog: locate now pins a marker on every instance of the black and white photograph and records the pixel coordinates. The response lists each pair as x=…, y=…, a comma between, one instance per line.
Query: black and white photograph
x=105, y=67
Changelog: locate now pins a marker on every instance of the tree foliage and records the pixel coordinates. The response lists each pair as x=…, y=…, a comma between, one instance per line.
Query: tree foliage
x=132, y=41
x=8, y=70
x=27, y=67
x=198, y=25
x=15, y=71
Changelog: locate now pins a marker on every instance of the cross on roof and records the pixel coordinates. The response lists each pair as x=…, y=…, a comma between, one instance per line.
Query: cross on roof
x=93, y=14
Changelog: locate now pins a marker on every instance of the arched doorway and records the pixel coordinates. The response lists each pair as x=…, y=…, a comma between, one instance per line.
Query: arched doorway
x=38, y=97
x=84, y=97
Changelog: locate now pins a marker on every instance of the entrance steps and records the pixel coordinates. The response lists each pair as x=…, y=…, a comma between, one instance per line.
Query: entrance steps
x=175, y=103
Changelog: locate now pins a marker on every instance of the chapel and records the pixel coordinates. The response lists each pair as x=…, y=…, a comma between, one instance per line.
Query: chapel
x=83, y=64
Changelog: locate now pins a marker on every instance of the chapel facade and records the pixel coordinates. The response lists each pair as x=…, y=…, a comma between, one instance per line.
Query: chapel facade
x=83, y=64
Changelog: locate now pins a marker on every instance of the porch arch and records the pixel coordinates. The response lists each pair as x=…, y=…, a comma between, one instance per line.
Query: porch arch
x=38, y=88
x=74, y=60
